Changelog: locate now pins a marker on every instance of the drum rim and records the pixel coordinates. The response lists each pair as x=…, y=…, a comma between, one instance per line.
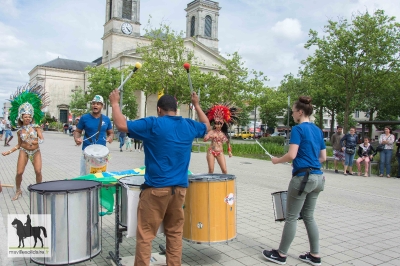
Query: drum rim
x=97, y=156
x=222, y=177
x=279, y=192
x=120, y=180
x=96, y=184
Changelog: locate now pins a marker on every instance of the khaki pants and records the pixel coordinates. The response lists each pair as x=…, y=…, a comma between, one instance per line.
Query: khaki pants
x=157, y=205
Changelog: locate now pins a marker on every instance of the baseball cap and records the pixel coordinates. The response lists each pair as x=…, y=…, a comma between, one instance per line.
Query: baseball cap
x=98, y=99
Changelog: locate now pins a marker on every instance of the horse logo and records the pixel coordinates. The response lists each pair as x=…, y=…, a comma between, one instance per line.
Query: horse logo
x=28, y=231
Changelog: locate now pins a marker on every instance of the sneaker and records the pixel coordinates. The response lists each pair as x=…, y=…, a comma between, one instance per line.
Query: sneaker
x=120, y=150
x=274, y=256
x=310, y=259
x=337, y=171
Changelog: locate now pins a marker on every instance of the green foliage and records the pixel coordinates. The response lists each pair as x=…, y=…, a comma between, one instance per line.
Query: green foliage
x=354, y=65
x=78, y=104
x=275, y=139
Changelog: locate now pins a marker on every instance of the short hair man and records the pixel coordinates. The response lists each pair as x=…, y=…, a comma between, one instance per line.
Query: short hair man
x=167, y=142
x=338, y=153
x=7, y=132
x=91, y=123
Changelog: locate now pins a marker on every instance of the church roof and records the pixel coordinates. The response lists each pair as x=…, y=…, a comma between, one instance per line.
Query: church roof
x=69, y=64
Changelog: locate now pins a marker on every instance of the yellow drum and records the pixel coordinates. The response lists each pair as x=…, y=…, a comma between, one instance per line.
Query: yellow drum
x=210, y=209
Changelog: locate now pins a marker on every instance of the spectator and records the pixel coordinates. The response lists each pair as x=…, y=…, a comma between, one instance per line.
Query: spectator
x=365, y=152
x=387, y=138
x=349, y=145
x=338, y=154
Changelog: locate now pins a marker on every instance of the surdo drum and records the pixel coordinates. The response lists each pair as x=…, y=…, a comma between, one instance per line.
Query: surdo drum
x=129, y=203
x=210, y=209
x=279, y=200
x=96, y=158
x=76, y=228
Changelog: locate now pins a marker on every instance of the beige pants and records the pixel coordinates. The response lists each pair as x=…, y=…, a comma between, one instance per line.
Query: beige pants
x=157, y=205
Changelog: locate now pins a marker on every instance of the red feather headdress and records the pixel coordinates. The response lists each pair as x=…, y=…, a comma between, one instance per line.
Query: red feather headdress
x=222, y=113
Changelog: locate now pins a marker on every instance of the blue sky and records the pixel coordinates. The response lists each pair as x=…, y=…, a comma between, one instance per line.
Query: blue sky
x=268, y=34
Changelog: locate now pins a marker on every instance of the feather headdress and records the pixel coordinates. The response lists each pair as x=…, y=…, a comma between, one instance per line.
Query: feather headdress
x=28, y=100
x=223, y=113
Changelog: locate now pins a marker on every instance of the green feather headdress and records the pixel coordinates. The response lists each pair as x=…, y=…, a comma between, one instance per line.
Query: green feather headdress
x=28, y=100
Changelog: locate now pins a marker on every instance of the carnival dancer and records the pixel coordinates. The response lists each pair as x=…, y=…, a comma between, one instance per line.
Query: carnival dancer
x=167, y=142
x=26, y=105
x=221, y=117
x=307, y=150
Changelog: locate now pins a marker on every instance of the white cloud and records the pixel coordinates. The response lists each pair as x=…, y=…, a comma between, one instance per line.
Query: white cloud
x=288, y=28
x=9, y=8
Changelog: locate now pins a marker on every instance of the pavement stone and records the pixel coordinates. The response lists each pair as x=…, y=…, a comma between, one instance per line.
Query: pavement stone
x=357, y=216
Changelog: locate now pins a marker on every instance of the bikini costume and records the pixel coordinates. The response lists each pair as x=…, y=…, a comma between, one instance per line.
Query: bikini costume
x=29, y=138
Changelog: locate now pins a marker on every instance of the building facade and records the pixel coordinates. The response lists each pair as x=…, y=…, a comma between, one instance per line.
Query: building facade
x=121, y=38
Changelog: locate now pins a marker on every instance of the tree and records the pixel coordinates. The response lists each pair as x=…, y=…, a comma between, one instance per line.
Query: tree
x=78, y=104
x=353, y=57
x=163, y=64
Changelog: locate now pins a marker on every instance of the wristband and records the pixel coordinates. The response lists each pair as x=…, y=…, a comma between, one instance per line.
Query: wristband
x=40, y=141
x=229, y=149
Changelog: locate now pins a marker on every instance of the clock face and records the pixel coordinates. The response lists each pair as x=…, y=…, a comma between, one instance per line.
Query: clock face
x=126, y=28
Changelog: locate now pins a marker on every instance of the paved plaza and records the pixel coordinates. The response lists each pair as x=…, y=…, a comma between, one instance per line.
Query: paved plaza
x=358, y=217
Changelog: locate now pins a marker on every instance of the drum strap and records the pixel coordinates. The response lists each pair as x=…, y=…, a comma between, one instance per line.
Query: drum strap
x=305, y=178
x=98, y=131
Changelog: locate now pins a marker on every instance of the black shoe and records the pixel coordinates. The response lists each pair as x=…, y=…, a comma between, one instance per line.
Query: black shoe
x=337, y=171
x=274, y=256
x=120, y=150
x=310, y=259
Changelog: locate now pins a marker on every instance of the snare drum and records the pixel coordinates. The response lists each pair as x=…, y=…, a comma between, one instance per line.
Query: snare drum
x=73, y=206
x=210, y=209
x=129, y=204
x=279, y=200
x=96, y=158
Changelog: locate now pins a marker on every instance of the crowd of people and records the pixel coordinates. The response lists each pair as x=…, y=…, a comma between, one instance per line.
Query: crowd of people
x=347, y=146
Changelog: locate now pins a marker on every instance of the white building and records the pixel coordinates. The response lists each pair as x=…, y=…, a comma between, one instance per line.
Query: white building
x=121, y=37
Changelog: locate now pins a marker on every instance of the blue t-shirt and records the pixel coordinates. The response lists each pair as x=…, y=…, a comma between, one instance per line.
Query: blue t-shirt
x=167, y=142
x=91, y=124
x=310, y=140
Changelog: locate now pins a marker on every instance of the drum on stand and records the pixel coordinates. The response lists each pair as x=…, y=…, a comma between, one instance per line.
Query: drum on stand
x=96, y=158
x=210, y=209
x=128, y=183
x=74, y=207
x=129, y=203
x=279, y=200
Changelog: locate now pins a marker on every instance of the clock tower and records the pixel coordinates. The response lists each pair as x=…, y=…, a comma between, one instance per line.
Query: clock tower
x=121, y=28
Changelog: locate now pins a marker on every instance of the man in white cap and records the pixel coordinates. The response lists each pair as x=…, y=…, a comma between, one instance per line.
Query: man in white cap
x=98, y=129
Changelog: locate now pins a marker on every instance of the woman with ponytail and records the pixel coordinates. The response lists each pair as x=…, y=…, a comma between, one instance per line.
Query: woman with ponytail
x=307, y=151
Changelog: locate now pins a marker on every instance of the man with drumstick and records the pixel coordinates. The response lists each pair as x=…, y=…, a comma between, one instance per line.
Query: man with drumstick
x=167, y=143
x=98, y=129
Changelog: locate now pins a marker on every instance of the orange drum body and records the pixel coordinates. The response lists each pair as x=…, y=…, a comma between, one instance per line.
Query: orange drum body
x=210, y=209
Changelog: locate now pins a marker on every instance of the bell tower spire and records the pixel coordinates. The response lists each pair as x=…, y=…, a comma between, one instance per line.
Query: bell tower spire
x=202, y=22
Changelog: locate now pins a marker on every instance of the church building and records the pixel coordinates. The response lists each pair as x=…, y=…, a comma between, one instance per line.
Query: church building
x=61, y=77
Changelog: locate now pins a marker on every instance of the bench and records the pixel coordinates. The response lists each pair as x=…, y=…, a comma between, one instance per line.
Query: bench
x=197, y=146
x=331, y=159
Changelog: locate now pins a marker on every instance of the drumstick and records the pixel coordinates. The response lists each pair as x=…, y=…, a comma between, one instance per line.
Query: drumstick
x=266, y=152
x=5, y=185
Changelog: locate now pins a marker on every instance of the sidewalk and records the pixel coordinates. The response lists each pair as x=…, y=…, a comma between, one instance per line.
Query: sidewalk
x=357, y=216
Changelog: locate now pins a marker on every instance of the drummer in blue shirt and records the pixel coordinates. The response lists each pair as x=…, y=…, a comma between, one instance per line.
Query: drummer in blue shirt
x=307, y=150
x=167, y=143
x=98, y=129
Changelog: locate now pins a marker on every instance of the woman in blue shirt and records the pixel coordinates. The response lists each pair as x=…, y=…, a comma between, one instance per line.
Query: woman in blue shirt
x=307, y=150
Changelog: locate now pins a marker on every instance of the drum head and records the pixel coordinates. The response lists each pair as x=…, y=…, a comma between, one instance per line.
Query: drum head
x=134, y=180
x=96, y=150
x=64, y=186
x=210, y=177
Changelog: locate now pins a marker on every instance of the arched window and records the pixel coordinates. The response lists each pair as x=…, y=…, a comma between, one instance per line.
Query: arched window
x=207, y=28
x=192, y=25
